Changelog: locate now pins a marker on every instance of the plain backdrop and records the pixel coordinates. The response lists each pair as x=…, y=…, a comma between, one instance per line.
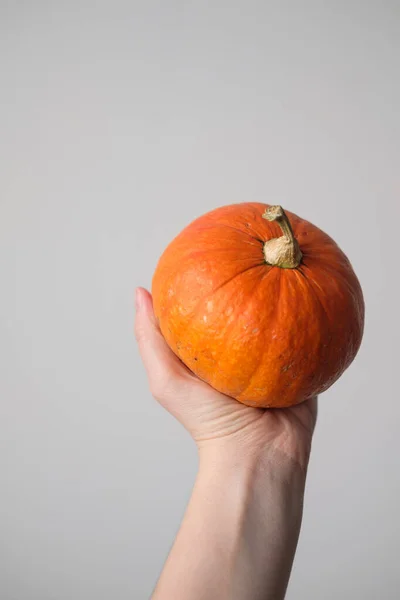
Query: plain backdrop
x=120, y=123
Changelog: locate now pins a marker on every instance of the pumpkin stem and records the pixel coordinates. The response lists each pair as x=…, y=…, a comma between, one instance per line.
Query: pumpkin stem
x=284, y=251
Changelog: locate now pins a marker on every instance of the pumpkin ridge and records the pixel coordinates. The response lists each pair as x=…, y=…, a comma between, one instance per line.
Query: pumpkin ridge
x=221, y=285
x=204, y=298
x=336, y=275
x=310, y=282
x=216, y=289
x=227, y=347
x=260, y=362
x=216, y=224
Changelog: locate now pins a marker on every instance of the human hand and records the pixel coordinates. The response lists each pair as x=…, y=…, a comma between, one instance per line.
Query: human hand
x=217, y=422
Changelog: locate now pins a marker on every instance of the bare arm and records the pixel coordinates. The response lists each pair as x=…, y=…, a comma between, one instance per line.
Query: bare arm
x=239, y=535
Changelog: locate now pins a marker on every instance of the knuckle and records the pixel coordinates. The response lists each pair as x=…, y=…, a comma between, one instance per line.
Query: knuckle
x=140, y=334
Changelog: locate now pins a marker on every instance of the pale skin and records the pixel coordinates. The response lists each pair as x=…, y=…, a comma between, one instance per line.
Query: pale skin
x=239, y=535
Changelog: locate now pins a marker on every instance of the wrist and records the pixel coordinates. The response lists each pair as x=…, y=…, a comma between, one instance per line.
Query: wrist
x=252, y=465
x=251, y=482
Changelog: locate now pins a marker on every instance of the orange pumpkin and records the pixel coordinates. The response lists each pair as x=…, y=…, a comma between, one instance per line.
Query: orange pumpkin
x=260, y=304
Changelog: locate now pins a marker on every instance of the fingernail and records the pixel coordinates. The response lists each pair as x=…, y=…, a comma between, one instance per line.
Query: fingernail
x=138, y=299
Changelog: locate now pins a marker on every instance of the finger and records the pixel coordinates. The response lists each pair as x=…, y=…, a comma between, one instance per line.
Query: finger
x=164, y=369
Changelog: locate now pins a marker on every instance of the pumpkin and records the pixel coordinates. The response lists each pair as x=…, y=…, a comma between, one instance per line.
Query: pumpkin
x=260, y=304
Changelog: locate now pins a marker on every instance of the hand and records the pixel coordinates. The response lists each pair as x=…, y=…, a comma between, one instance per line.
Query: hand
x=213, y=419
x=246, y=507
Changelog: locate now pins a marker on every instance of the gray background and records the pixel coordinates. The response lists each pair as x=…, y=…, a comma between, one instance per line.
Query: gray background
x=120, y=123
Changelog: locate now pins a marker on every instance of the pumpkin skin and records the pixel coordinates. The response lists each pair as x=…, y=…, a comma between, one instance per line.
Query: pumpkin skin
x=264, y=335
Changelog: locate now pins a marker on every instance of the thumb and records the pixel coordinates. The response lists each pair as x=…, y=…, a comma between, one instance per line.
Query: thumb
x=164, y=369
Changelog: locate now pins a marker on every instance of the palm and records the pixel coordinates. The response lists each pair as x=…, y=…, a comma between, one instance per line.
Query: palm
x=211, y=417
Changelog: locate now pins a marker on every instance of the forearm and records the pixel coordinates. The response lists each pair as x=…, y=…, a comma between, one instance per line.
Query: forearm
x=239, y=534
